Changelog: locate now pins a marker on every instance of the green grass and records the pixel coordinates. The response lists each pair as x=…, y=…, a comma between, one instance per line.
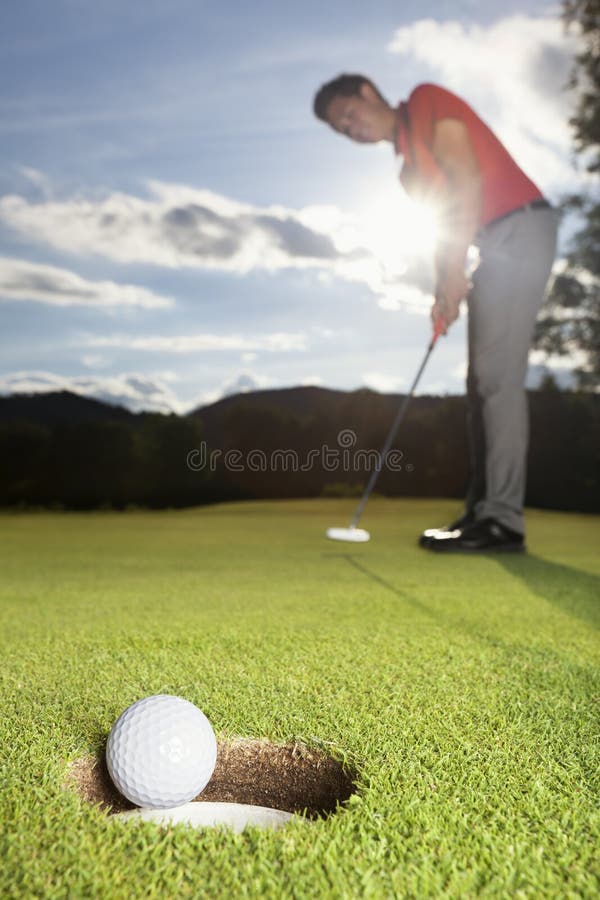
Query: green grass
x=463, y=690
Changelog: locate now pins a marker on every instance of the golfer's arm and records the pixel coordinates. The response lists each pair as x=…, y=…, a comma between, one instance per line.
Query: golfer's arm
x=453, y=152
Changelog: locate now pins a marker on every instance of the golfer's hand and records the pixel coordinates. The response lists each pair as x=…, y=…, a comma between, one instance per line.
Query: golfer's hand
x=443, y=314
x=438, y=318
x=450, y=291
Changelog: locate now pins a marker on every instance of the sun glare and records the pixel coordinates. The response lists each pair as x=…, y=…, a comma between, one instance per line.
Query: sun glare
x=398, y=230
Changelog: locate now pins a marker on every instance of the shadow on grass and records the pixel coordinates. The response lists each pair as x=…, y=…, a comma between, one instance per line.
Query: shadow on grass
x=402, y=595
x=573, y=591
x=536, y=678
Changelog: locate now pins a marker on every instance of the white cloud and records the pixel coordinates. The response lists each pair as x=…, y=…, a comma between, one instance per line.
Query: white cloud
x=182, y=226
x=279, y=342
x=135, y=391
x=243, y=383
x=459, y=371
x=326, y=333
x=178, y=226
x=405, y=296
x=514, y=73
x=385, y=384
x=23, y=280
x=38, y=179
x=95, y=361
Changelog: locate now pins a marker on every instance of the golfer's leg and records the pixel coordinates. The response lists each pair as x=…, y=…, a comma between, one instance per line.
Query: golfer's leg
x=475, y=432
x=508, y=290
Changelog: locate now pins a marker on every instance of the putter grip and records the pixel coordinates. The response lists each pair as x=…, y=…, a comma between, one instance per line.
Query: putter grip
x=438, y=326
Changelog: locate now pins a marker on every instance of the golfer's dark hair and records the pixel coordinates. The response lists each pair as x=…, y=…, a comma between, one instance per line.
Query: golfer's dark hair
x=342, y=86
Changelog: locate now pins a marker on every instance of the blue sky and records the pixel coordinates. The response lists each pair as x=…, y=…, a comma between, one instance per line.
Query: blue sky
x=176, y=225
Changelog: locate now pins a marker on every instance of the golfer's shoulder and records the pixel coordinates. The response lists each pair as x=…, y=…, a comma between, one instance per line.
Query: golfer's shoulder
x=432, y=96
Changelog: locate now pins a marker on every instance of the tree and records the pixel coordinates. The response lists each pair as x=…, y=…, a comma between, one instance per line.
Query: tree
x=585, y=77
x=570, y=320
x=23, y=456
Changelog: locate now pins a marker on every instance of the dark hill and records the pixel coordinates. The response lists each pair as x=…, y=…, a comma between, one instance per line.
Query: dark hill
x=298, y=401
x=57, y=407
x=367, y=412
x=79, y=452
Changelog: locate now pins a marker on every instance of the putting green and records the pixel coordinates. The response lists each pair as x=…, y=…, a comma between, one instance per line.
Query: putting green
x=461, y=690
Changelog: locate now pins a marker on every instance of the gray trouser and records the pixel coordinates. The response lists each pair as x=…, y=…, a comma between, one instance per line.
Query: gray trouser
x=516, y=256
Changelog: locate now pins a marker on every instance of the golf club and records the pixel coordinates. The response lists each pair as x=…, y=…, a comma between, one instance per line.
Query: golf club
x=352, y=534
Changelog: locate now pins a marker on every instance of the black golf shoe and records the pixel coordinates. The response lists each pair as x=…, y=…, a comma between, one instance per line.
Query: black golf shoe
x=486, y=536
x=465, y=520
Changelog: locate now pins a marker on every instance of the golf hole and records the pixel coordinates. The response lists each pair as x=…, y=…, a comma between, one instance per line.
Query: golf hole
x=255, y=782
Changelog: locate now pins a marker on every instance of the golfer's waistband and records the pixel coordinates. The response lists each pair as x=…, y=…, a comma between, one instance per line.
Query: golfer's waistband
x=535, y=204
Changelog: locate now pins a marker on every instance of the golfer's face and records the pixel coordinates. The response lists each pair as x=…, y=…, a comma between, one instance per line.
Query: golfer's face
x=356, y=117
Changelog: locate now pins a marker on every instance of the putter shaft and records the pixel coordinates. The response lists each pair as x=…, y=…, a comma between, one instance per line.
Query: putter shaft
x=392, y=432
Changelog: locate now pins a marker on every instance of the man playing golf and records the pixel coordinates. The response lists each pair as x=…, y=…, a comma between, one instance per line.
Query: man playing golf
x=451, y=158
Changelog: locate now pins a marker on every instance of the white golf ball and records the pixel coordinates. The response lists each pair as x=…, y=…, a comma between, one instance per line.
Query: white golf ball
x=161, y=752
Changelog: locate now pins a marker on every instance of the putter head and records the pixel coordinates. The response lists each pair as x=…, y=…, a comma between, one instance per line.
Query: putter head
x=351, y=535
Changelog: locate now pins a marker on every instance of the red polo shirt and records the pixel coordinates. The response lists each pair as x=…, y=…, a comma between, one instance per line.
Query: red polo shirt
x=504, y=186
